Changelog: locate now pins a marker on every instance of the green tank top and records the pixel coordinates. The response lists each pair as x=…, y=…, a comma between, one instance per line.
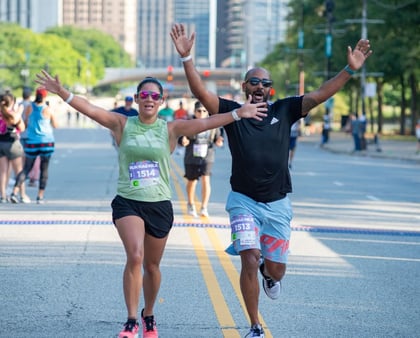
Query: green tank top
x=144, y=155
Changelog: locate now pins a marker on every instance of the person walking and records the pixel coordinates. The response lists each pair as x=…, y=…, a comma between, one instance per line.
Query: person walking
x=142, y=209
x=198, y=161
x=40, y=122
x=362, y=133
x=258, y=205
x=355, y=132
x=326, y=127
x=11, y=150
x=294, y=134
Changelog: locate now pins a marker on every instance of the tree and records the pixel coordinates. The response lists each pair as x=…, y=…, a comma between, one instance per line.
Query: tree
x=396, y=52
x=399, y=54
x=24, y=53
x=77, y=55
x=99, y=49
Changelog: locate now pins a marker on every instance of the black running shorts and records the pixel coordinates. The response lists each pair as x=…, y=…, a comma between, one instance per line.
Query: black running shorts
x=195, y=171
x=158, y=217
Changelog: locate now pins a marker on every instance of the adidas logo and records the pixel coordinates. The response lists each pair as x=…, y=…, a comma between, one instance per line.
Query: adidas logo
x=274, y=120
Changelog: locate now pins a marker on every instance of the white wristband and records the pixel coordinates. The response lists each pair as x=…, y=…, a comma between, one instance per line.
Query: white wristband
x=70, y=98
x=186, y=58
x=235, y=115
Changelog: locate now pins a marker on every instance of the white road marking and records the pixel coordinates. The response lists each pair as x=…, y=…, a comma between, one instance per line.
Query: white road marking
x=372, y=198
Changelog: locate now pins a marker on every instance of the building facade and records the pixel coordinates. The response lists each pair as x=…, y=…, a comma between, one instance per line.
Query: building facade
x=229, y=33
x=116, y=18
x=247, y=30
x=37, y=15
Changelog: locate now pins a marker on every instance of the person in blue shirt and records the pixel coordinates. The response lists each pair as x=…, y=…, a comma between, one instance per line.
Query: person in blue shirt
x=127, y=109
x=40, y=122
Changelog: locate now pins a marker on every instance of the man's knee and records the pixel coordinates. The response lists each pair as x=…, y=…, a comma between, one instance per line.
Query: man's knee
x=275, y=270
x=250, y=259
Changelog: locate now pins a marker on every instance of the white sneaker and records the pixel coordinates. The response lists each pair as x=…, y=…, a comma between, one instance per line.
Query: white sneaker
x=204, y=212
x=40, y=200
x=25, y=199
x=256, y=331
x=191, y=210
x=271, y=288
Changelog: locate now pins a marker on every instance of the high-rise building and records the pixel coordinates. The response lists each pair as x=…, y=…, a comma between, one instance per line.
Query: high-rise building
x=199, y=16
x=155, y=19
x=117, y=18
x=37, y=15
x=154, y=22
x=230, y=33
x=247, y=30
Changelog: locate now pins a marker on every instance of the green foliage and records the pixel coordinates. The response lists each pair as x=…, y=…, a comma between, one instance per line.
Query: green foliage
x=393, y=34
x=59, y=50
x=96, y=47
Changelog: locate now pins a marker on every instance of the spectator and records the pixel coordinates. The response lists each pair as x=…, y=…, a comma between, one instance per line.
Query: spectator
x=166, y=113
x=362, y=131
x=181, y=113
x=127, y=109
x=294, y=134
x=355, y=132
x=326, y=126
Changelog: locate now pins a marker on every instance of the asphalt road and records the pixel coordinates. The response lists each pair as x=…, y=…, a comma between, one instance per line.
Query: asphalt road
x=354, y=266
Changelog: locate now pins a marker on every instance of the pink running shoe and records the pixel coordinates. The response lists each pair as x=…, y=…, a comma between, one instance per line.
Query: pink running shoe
x=149, y=326
x=130, y=330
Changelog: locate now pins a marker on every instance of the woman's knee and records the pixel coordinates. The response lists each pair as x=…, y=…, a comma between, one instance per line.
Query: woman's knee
x=151, y=268
x=135, y=258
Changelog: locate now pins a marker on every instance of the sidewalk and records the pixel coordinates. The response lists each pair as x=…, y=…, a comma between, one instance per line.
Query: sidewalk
x=342, y=143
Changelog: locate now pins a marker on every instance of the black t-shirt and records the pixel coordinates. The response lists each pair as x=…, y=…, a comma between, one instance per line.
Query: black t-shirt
x=260, y=149
x=200, y=150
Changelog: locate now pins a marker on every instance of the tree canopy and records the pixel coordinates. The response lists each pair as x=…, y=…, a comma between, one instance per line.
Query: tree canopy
x=77, y=55
x=392, y=28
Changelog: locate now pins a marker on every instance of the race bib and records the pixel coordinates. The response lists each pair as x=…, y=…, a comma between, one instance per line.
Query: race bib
x=200, y=150
x=243, y=229
x=144, y=173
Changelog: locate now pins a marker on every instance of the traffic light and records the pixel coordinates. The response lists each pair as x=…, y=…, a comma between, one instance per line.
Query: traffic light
x=170, y=76
x=206, y=73
x=329, y=5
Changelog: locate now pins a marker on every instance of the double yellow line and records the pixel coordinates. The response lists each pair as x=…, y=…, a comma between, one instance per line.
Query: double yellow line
x=222, y=311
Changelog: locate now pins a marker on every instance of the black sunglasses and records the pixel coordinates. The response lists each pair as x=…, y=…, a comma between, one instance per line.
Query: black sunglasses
x=254, y=81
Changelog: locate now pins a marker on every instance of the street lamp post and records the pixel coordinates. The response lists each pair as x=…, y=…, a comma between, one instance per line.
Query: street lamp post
x=300, y=51
x=329, y=5
x=363, y=72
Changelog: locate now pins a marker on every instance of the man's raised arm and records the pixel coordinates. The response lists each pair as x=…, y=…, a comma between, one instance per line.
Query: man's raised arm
x=183, y=45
